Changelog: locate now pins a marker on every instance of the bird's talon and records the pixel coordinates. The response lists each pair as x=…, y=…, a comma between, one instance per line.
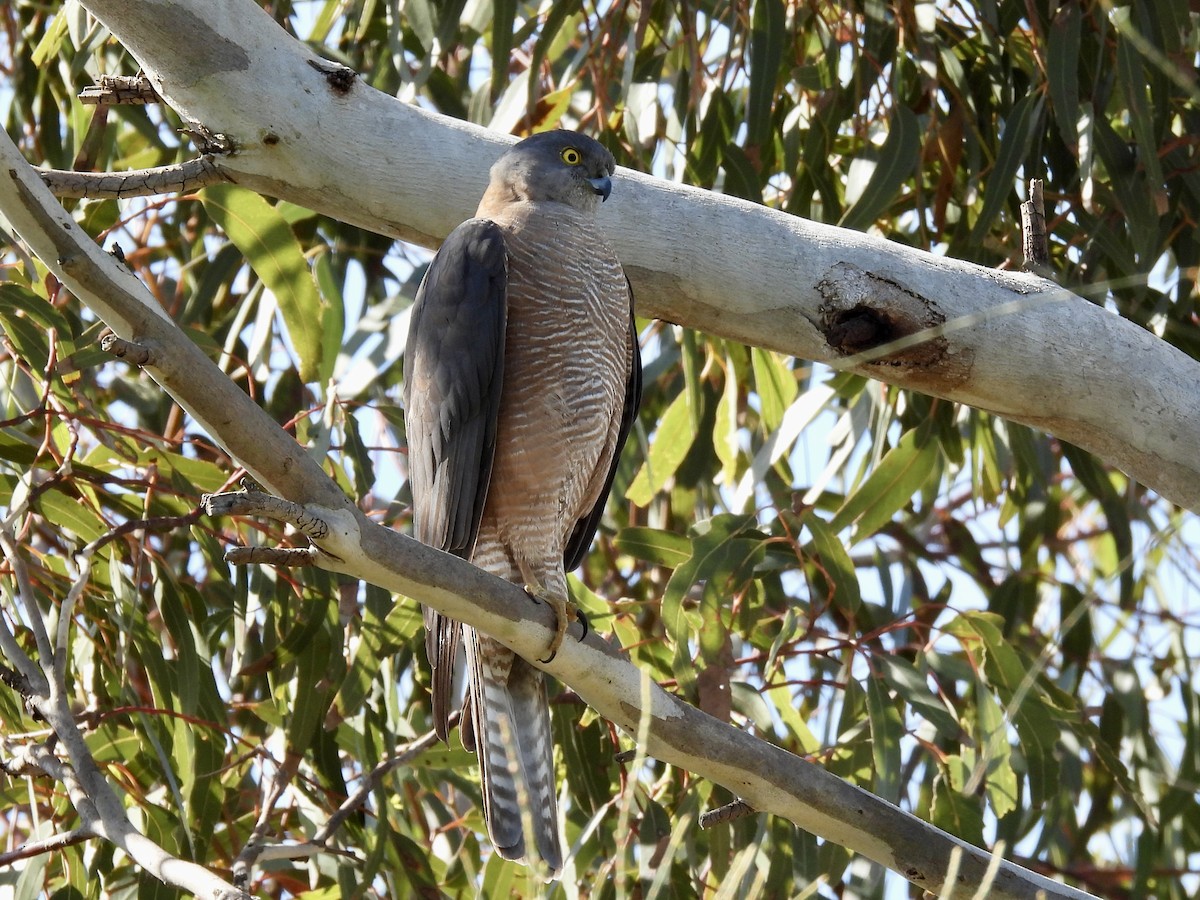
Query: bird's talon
x=564, y=611
x=583, y=623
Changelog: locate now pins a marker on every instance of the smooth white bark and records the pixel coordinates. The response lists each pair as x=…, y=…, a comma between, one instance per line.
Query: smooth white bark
x=1016, y=345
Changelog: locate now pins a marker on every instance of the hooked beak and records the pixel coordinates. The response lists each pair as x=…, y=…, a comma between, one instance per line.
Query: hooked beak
x=602, y=186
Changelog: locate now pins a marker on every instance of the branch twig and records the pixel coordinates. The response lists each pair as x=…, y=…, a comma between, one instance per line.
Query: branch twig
x=114, y=90
x=1034, y=241
x=730, y=812
x=179, y=178
x=400, y=757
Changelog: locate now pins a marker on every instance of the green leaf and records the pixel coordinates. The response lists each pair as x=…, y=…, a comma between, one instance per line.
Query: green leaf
x=333, y=316
x=835, y=561
x=318, y=675
x=72, y=515
x=31, y=342
x=912, y=687
x=358, y=455
x=503, y=14
x=725, y=426
x=1093, y=476
x=995, y=753
x=897, y=161
x=901, y=473
x=52, y=39
x=768, y=30
x=387, y=625
x=692, y=357
x=741, y=178
x=671, y=443
x=271, y=249
x=1062, y=70
x=721, y=553
x=952, y=811
x=190, y=668
x=422, y=19
x=556, y=16
x=775, y=385
x=14, y=297
x=1134, y=198
x=663, y=548
x=790, y=715
x=1026, y=703
x=1132, y=77
x=886, y=732
x=1019, y=129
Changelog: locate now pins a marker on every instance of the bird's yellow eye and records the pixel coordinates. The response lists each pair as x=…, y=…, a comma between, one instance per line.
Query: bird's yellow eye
x=571, y=156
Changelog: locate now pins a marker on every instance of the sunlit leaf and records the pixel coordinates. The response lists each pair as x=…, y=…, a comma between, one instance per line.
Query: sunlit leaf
x=667, y=450
x=900, y=474
x=272, y=250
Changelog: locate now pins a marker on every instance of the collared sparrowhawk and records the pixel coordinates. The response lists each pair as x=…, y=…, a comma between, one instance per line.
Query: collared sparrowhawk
x=522, y=378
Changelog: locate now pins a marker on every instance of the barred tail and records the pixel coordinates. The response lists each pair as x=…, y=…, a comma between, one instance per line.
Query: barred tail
x=516, y=751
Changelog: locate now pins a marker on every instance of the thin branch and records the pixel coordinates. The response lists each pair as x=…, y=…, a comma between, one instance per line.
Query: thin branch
x=134, y=354
x=19, y=683
x=103, y=813
x=99, y=808
x=273, y=790
x=179, y=178
x=114, y=90
x=40, y=758
x=45, y=845
x=285, y=557
x=401, y=756
x=730, y=812
x=33, y=613
x=1034, y=241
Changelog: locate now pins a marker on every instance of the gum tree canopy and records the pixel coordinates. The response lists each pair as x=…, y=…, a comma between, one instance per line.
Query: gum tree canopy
x=898, y=581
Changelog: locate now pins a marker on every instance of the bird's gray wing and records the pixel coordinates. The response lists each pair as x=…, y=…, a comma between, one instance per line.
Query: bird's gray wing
x=453, y=374
x=585, y=528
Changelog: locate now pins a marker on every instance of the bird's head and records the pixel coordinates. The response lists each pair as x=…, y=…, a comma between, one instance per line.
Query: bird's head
x=556, y=166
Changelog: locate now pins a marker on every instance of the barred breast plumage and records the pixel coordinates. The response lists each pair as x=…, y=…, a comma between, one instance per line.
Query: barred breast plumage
x=564, y=383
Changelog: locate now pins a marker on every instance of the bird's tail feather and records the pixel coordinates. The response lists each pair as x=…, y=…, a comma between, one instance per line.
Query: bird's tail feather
x=516, y=751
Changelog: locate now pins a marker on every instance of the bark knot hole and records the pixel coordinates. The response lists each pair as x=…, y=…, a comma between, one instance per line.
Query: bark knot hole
x=859, y=328
x=864, y=311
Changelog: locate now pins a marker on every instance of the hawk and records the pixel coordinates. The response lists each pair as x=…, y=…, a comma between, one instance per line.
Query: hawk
x=522, y=378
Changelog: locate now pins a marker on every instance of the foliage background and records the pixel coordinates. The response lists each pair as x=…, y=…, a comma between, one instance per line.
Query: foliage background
x=988, y=626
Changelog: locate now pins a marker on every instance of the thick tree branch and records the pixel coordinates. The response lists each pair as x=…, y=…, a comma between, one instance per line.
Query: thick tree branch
x=765, y=776
x=1052, y=360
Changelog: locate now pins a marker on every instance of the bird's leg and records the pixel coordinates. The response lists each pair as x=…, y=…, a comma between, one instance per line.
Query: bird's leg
x=564, y=611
